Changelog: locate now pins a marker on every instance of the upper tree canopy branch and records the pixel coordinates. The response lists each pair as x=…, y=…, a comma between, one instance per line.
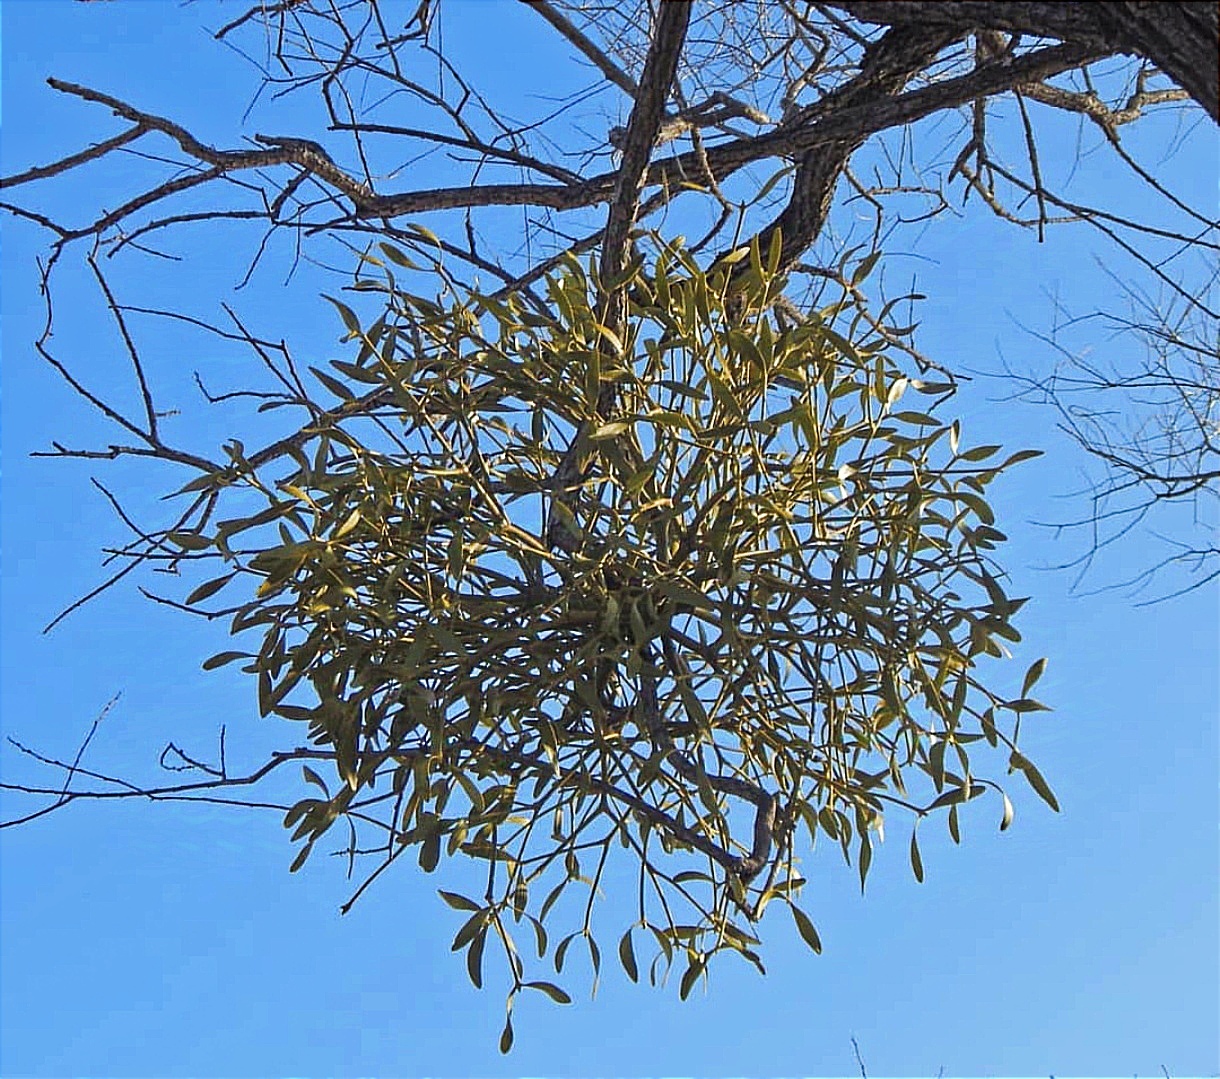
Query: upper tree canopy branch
x=1180, y=38
x=793, y=141
x=856, y=121
x=600, y=60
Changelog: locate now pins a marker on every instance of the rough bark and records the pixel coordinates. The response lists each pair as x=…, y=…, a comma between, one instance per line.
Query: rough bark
x=1183, y=40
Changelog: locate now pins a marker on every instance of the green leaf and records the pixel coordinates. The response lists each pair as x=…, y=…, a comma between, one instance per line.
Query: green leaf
x=1032, y=675
x=865, y=268
x=1034, y=777
x=347, y=314
x=353, y=519
x=626, y=955
x=1021, y=455
x=299, y=860
x=426, y=233
x=608, y=430
x=474, y=958
x=470, y=927
x=979, y=453
x=208, y=479
x=189, y=541
x=221, y=658
x=1027, y=704
x=506, y=1038
x=312, y=777
x=458, y=902
x=430, y=852
x=397, y=257
x=551, y=990
x=690, y=977
x=209, y=588
x=956, y=795
x=806, y=928
x=562, y=951
x=339, y=389
x=916, y=860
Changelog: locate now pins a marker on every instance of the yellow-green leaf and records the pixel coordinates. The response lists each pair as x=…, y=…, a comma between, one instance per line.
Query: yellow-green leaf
x=190, y=541
x=806, y=928
x=608, y=430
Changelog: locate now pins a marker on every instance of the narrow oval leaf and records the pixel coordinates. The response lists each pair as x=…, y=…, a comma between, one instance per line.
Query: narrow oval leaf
x=474, y=959
x=689, y=978
x=1032, y=675
x=608, y=430
x=626, y=955
x=353, y=519
x=458, y=902
x=1034, y=777
x=346, y=313
x=551, y=990
x=312, y=777
x=209, y=588
x=806, y=928
x=189, y=541
x=221, y=658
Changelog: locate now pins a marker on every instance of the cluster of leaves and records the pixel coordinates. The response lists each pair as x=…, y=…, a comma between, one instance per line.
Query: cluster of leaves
x=765, y=625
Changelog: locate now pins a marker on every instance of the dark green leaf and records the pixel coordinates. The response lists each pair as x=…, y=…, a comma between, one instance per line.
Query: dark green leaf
x=299, y=860
x=209, y=588
x=916, y=860
x=552, y=991
x=1032, y=675
x=458, y=902
x=626, y=954
x=474, y=958
x=690, y=976
x=221, y=658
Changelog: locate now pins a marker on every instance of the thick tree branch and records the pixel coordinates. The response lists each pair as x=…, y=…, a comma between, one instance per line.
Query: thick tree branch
x=792, y=141
x=1182, y=39
x=642, y=128
x=888, y=65
x=854, y=122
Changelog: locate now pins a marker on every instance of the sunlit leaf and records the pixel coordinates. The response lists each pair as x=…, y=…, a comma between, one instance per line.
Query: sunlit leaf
x=806, y=928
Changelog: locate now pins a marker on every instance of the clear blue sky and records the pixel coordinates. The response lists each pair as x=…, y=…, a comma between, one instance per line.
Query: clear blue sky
x=161, y=940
